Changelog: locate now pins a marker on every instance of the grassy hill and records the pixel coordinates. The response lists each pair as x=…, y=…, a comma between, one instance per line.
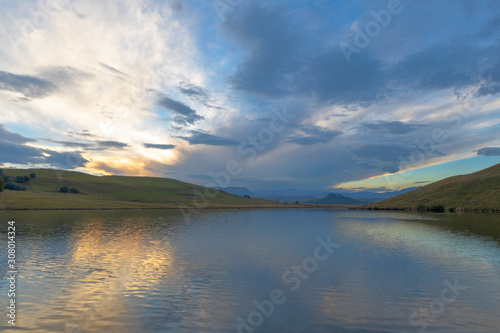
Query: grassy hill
x=111, y=192
x=476, y=191
x=339, y=199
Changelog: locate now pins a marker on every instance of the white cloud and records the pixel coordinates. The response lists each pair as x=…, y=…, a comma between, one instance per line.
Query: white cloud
x=124, y=48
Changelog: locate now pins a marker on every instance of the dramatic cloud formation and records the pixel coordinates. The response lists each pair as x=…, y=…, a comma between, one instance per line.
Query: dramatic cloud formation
x=312, y=135
x=187, y=115
x=489, y=151
x=202, y=138
x=393, y=127
x=28, y=86
x=158, y=146
x=92, y=145
x=12, y=137
x=301, y=94
x=15, y=150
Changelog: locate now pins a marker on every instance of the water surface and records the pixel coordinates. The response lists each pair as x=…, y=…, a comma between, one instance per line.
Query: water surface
x=153, y=271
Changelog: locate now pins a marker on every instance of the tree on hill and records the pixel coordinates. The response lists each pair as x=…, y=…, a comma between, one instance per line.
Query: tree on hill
x=32, y=175
x=74, y=190
x=14, y=186
x=2, y=183
x=22, y=179
x=64, y=189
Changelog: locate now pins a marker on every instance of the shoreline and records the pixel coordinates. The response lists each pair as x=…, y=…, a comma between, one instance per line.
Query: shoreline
x=271, y=206
x=284, y=206
x=291, y=206
x=417, y=210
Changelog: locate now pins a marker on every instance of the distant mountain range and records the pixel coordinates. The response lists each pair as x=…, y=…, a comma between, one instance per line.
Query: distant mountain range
x=317, y=196
x=377, y=195
x=290, y=192
x=338, y=199
x=237, y=190
x=314, y=196
x=476, y=191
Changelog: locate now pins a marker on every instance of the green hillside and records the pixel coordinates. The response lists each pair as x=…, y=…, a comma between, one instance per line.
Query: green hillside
x=111, y=192
x=476, y=191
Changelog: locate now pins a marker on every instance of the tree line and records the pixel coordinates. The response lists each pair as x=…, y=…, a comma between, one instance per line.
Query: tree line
x=15, y=183
x=9, y=183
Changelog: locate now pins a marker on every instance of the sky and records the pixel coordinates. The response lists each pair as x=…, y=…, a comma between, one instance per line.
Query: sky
x=346, y=95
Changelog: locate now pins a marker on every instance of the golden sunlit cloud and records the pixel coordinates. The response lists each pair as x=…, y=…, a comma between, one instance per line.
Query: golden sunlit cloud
x=118, y=166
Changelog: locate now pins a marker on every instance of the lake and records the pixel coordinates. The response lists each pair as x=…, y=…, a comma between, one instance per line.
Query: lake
x=288, y=270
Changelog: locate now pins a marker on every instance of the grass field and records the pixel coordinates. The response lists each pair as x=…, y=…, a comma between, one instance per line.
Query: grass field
x=113, y=192
x=475, y=191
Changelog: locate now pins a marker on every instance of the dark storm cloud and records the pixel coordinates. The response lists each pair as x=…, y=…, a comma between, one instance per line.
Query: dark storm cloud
x=392, y=127
x=19, y=153
x=29, y=86
x=202, y=138
x=368, y=165
x=387, y=156
x=312, y=135
x=332, y=80
x=158, y=146
x=383, y=152
x=489, y=151
x=285, y=58
x=444, y=66
x=386, y=167
x=14, y=150
x=268, y=36
x=278, y=64
x=390, y=168
x=184, y=114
